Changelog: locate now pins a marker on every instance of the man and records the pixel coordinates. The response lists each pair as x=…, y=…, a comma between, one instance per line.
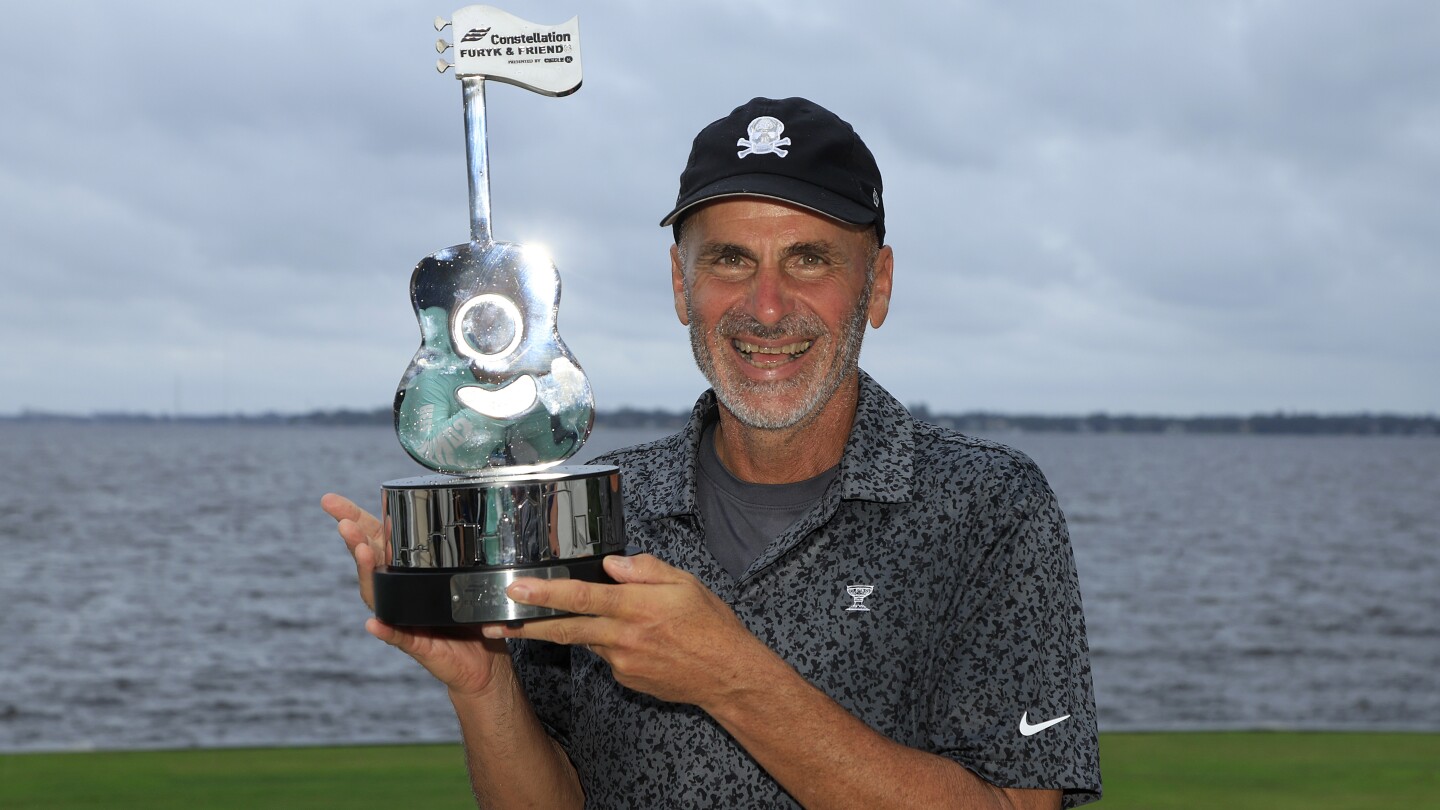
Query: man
x=838, y=606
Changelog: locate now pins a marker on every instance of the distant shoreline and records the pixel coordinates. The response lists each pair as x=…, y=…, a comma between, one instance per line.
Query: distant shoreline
x=982, y=422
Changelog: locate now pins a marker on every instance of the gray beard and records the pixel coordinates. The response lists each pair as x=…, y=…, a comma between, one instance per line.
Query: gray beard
x=732, y=396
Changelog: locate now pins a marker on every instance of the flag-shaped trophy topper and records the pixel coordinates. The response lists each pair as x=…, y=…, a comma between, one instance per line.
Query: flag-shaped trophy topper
x=500, y=46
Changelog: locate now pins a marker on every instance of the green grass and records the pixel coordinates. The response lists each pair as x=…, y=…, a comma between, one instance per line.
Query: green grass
x=390, y=777
x=1276, y=771
x=1242, y=770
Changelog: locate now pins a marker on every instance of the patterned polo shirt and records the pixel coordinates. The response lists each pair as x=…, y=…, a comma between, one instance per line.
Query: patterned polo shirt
x=969, y=628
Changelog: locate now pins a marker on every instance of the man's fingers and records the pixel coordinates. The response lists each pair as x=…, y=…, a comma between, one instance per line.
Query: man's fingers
x=365, y=572
x=587, y=631
x=342, y=509
x=386, y=633
x=415, y=645
x=352, y=534
x=363, y=536
x=570, y=595
x=643, y=568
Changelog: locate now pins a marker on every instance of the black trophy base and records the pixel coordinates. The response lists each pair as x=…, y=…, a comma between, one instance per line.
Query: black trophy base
x=460, y=596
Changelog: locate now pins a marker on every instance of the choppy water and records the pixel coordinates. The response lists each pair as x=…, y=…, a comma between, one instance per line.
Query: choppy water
x=177, y=585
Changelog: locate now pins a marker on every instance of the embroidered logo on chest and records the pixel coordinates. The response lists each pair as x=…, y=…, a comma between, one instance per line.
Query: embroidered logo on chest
x=764, y=138
x=858, y=593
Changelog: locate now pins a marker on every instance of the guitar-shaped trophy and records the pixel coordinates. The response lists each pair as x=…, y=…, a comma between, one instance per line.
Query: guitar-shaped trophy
x=493, y=398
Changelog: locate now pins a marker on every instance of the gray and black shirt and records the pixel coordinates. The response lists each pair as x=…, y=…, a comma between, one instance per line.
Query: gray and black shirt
x=931, y=591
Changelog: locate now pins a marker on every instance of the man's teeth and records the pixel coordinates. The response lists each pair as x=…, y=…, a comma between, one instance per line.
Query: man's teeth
x=790, y=348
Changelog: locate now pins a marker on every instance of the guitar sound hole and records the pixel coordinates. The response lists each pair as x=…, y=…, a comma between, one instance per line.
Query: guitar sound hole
x=490, y=328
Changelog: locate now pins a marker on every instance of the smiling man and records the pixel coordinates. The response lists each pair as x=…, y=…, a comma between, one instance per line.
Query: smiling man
x=837, y=605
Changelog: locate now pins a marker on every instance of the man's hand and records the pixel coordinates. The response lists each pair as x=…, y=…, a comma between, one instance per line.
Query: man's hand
x=460, y=657
x=662, y=632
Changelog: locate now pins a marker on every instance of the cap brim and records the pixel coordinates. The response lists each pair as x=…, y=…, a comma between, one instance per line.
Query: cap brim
x=776, y=187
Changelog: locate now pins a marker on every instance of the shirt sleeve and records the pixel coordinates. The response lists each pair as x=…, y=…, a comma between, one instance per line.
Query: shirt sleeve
x=1013, y=699
x=544, y=671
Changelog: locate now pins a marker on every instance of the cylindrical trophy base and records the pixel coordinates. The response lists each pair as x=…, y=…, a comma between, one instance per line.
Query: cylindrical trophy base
x=469, y=596
x=457, y=543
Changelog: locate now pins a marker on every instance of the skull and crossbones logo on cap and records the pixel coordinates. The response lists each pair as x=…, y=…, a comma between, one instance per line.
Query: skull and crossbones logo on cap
x=764, y=138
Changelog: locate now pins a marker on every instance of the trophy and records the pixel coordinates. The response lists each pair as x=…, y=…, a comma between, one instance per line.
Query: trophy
x=493, y=399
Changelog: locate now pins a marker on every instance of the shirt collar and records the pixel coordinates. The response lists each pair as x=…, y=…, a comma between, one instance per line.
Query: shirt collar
x=878, y=464
x=673, y=459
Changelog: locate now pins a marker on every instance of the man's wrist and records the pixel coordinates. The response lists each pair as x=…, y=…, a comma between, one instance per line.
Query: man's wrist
x=501, y=683
x=762, y=676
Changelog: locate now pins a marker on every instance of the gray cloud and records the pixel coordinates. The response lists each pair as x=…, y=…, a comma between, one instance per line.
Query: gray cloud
x=1169, y=207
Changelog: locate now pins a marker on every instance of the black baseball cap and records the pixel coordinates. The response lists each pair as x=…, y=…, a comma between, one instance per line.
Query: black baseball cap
x=788, y=149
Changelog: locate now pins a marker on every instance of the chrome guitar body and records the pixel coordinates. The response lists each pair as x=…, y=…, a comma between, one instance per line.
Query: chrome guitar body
x=493, y=384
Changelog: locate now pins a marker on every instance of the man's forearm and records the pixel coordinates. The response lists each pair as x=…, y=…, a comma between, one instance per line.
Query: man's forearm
x=511, y=760
x=826, y=757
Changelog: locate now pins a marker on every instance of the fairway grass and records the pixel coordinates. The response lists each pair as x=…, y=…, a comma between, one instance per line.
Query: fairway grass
x=1272, y=770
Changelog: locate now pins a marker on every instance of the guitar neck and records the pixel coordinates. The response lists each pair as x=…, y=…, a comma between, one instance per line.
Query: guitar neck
x=476, y=157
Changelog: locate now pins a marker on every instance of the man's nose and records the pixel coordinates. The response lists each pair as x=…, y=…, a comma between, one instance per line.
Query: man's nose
x=770, y=294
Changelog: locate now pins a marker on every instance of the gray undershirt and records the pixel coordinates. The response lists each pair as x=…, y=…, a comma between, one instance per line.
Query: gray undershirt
x=740, y=518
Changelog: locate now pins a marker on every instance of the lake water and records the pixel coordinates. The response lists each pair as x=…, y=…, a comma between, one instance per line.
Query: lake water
x=177, y=585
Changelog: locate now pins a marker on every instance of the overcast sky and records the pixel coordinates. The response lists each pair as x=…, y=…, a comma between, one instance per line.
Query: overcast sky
x=1142, y=207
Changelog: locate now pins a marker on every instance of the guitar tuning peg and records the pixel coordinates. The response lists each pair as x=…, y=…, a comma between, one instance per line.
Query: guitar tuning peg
x=441, y=46
x=440, y=23
x=441, y=65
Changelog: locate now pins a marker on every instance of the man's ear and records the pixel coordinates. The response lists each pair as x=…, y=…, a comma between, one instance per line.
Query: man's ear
x=677, y=284
x=880, y=289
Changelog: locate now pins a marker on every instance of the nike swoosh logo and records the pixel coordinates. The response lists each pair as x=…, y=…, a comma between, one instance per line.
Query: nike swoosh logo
x=1027, y=729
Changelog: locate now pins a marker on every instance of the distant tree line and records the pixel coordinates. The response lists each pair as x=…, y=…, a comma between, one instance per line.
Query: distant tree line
x=979, y=422
x=1361, y=424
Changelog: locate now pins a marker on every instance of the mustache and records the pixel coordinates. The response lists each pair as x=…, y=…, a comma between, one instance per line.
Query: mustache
x=735, y=324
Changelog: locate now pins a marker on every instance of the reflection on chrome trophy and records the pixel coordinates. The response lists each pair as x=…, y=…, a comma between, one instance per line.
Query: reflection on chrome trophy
x=493, y=398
